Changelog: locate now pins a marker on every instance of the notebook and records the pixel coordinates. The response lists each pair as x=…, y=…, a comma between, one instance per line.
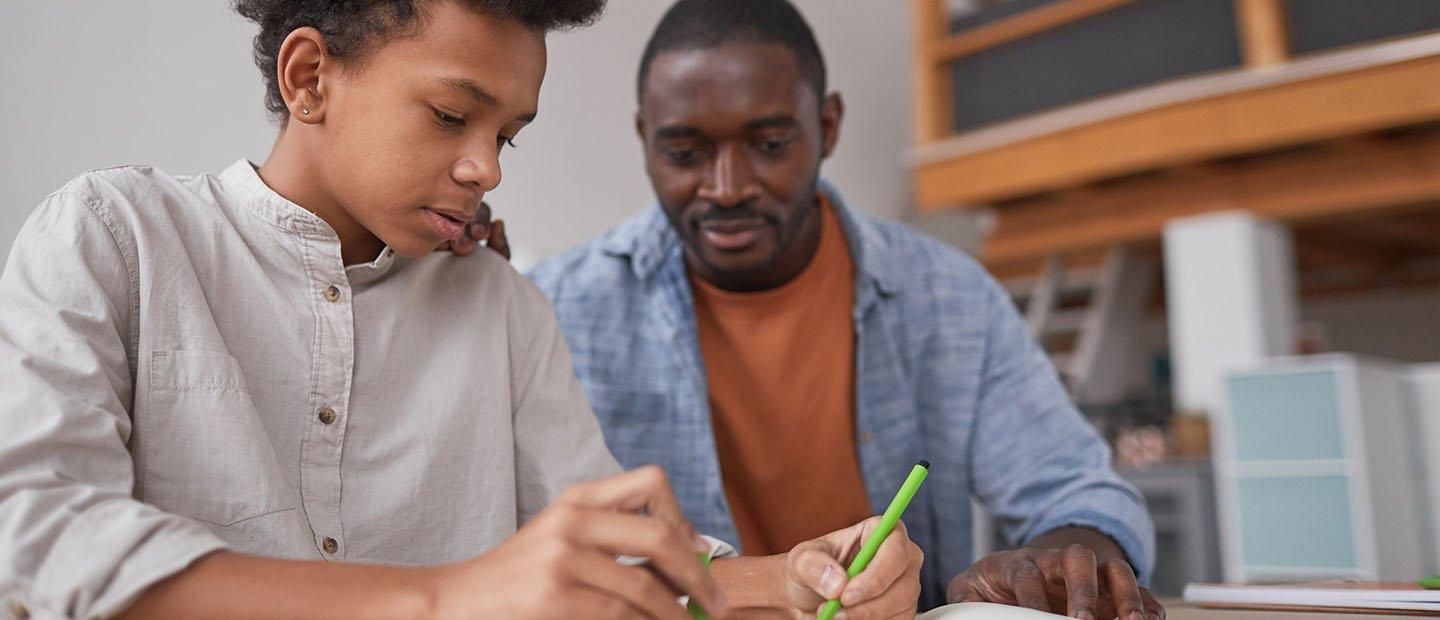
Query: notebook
x=1323, y=596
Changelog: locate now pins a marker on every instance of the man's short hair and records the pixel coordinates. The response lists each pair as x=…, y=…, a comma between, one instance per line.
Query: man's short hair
x=703, y=24
x=353, y=29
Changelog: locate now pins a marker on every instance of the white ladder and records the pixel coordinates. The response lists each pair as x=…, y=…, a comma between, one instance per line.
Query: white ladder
x=1116, y=293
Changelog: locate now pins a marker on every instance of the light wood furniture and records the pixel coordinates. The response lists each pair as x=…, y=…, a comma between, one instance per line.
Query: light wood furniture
x=1348, y=137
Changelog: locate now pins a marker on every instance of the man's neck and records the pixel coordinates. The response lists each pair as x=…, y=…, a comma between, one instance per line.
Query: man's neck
x=290, y=172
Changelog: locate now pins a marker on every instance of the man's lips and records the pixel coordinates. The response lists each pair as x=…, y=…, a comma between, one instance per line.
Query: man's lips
x=448, y=224
x=732, y=235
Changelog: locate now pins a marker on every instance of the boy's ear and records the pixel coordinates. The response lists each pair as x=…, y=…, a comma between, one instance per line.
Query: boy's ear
x=302, y=68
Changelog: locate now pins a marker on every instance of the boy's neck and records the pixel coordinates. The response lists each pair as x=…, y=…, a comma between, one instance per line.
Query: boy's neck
x=292, y=172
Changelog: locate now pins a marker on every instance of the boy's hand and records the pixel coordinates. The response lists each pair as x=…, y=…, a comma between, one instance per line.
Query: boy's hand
x=563, y=563
x=888, y=588
x=480, y=229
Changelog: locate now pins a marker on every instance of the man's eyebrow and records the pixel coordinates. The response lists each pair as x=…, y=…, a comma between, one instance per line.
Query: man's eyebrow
x=676, y=131
x=774, y=120
x=474, y=91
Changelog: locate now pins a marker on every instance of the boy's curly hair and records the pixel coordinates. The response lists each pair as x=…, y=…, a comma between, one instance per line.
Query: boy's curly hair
x=353, y=28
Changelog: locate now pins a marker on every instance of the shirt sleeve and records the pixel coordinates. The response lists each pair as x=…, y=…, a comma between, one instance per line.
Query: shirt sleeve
x=557, y=438
x=74, y=542
x=1038, y=464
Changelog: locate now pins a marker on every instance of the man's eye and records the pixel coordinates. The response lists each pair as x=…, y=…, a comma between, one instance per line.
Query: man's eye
x=774, y=147
x=681, y=157
x=448, y=120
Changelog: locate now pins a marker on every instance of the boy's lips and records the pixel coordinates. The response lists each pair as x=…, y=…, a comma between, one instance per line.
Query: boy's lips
x=445, y=224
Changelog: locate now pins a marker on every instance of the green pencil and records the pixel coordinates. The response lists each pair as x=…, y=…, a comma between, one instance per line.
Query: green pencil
x=887, y=523
x=695, y=611
x=1431, y=583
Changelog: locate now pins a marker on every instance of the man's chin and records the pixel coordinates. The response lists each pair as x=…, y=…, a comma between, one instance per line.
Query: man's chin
x=731, y=263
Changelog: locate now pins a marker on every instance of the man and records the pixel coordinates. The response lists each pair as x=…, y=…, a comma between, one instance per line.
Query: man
x=261, y=394
x=786, y=359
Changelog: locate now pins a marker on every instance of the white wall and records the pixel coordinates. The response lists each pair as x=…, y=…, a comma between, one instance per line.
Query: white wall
x=169, y=82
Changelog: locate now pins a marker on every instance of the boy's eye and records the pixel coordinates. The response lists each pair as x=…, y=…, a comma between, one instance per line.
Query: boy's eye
x=448, y=120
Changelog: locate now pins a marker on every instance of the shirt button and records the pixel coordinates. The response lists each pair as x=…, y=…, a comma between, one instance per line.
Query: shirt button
x=866, y=438
x=389, y=253
x=327, y=415
x=332, y=293
x=330, y=546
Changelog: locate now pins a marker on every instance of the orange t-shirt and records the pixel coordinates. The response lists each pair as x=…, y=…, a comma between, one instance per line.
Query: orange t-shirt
x=781, y=369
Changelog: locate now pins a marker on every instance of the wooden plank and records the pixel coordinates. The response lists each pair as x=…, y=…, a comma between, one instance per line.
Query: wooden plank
x=1027, y=24
x=1300, y=187
x=1273, y=115
x=933, y=99
x=1263, y=35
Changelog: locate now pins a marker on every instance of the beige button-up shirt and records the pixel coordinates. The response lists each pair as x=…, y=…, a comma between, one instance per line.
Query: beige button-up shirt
x=186, y=365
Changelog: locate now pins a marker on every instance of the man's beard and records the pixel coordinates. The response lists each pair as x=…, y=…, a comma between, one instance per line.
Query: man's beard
x=787, y=233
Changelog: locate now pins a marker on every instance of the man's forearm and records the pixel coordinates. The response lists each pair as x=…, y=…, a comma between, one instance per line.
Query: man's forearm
x=753, y=585
x=231, y=585
x=1105, y=548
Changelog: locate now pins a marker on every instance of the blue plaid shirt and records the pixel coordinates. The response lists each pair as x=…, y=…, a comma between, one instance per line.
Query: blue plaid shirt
x=946, y=371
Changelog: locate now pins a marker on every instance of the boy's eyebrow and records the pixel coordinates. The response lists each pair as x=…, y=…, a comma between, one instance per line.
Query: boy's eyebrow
x=476, y=92
x=470, y=89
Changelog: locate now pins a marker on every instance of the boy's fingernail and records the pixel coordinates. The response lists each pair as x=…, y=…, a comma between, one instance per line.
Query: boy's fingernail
x=1084, y=614
x=831, y=582
x=1136, y=615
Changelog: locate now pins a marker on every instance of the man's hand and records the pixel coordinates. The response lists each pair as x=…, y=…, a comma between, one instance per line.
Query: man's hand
x=888, y=588
x=563, y=563
x=480, y=229
x=1086, y=578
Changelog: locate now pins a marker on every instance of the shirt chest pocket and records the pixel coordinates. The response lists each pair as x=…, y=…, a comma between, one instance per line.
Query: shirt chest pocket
x=204, y=452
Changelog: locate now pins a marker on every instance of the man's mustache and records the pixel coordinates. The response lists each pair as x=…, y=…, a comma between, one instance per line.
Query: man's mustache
x=717, y=213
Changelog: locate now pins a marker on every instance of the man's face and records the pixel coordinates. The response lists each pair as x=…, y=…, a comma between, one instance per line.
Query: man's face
x=733, y=141
x=412, y=136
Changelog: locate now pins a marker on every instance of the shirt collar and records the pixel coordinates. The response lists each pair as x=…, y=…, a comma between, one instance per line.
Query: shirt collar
x=243, y=181
x=648, y=241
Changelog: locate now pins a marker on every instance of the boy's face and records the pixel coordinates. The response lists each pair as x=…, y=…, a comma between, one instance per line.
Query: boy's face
x=412, y=136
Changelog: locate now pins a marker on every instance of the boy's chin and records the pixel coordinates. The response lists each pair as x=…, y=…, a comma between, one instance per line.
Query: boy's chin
x=414, y=248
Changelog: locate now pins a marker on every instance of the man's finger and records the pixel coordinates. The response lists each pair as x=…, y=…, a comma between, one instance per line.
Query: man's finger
x=1082, y=585
x=497, y=240
x=1153, y=609
x=1027, y=581
x=1124, y=591
x=891, y=562
x=962, y=591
